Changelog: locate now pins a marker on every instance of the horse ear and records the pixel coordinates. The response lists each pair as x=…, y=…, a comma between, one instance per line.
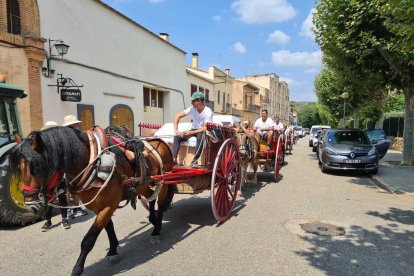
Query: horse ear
x=37, y=143
x=17, y=138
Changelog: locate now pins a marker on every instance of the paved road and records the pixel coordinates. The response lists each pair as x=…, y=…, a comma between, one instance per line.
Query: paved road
x=264, y=237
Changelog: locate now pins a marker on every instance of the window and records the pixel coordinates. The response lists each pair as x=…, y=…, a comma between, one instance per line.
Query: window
x=207, y=95
x=201, y=89
x=13, y=17
x=193, y=88
x=218, y=97
x=153, y=97
x=224, y=99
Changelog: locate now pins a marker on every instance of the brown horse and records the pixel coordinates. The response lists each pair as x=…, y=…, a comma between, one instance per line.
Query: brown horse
x=45, y=156
x=248, y=147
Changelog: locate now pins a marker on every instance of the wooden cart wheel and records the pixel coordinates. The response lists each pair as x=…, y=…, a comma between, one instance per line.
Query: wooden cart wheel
x=278, y=157
x=225, y=180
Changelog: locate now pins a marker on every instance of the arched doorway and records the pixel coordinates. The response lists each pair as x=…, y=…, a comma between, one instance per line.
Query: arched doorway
x=86, y=115
x=122, y=115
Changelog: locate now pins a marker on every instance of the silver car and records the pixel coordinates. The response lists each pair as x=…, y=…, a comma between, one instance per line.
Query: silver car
x=347, y=149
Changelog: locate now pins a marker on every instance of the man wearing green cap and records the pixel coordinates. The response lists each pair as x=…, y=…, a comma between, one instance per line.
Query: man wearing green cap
x=201, y=115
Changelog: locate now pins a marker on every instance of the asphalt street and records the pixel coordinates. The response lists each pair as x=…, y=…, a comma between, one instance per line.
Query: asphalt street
x=264, y=236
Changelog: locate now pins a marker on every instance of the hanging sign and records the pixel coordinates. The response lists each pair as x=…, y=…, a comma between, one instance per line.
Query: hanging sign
x=70, y=95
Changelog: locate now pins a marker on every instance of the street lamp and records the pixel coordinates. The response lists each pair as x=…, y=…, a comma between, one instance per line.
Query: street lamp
x=61, y=49
x=345, y=96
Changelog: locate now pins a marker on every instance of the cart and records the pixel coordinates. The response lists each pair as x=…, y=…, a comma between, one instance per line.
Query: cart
x=219, y=170
x=274, y=158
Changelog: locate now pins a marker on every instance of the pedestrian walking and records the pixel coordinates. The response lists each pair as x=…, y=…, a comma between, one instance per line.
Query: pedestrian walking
x=72, y=122
x=62, y=200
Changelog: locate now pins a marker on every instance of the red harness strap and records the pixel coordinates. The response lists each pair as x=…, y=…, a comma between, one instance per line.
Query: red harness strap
x=50, y=186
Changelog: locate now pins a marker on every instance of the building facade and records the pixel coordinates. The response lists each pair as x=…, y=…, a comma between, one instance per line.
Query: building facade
x=21, y=56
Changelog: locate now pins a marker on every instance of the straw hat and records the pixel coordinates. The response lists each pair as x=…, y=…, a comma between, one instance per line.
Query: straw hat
x=49, y=124
x=70, y=120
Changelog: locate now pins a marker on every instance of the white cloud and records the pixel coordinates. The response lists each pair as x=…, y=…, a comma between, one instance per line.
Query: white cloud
x=304, y=59
x=292, y=82
x=278, y=37
x=217, y=18
x=307, y=26
x=239, y=48
x=155, y=1
x=263, y=11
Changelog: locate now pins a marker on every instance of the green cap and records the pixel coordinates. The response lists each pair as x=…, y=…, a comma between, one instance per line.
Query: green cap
x=197, y=95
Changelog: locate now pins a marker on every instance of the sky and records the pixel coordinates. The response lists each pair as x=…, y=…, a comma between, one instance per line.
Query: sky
x=250, y=37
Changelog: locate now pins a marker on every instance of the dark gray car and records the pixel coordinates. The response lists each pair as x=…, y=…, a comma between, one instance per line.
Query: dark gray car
x=347, y=149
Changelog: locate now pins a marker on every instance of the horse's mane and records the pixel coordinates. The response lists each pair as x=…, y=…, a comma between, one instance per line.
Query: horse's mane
x=56, y=148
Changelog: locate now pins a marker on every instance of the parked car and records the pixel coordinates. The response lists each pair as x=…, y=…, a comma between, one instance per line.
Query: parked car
x=379, y=140
x=347, y=149
x=299, y=131
x=313, y=141
x=306, y=130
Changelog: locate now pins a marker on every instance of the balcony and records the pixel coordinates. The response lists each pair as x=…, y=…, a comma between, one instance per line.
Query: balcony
x=237, y=112
x=209, y=104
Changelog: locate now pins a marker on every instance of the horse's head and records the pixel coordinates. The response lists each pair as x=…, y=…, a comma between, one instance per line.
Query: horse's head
x=40, y=160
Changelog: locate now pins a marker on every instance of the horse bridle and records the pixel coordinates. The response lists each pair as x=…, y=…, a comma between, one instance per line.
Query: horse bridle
x=42, y=192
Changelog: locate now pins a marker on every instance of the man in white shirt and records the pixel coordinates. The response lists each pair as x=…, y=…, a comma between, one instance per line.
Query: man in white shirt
x=264, y=127
x=278, y=124
x=201, y=115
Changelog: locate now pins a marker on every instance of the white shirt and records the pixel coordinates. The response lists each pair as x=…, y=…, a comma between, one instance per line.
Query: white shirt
x=259, y=124
x=199, y=119
x=279, y=126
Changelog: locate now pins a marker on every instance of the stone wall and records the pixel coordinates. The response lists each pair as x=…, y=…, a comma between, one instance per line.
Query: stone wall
x=396, y=143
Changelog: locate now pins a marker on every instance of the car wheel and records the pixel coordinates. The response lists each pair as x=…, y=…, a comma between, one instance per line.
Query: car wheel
x=323, y=168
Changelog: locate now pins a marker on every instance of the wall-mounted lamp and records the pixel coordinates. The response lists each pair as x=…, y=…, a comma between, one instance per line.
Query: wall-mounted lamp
x=61, y=49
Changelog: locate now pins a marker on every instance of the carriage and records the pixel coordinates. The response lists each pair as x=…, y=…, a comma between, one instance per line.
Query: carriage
x=272, y=159
x=219, y=170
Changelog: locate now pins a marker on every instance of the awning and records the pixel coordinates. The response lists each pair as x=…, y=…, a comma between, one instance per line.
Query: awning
x=14, y=91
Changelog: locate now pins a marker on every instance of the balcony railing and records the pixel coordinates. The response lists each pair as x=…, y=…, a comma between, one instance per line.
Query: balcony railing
x=237, y=112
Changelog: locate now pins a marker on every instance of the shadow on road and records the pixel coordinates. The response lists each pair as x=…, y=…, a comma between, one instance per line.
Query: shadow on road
x=387, y=250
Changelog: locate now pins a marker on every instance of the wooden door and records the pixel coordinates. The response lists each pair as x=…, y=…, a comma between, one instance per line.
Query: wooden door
x=86, y=115
x=122, y=116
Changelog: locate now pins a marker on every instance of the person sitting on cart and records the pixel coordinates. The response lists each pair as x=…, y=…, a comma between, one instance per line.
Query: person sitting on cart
x=278, y=124
x=264, y=127
x=201, y=116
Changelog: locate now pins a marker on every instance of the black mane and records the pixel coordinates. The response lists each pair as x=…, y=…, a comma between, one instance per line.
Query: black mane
x=56, y=148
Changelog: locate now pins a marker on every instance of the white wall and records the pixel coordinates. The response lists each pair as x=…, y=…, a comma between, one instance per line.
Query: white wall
x=101, y=38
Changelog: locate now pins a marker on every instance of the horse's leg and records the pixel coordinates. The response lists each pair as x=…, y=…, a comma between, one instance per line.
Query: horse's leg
x=102, y=219
x=112, y=256
x=164, y=200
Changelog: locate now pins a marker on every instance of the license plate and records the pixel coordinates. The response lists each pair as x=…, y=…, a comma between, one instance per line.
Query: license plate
x=352, y=161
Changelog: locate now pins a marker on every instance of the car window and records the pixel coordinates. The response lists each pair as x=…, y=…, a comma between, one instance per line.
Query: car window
x=347, y=137
x=376, y=134
x=314, y=129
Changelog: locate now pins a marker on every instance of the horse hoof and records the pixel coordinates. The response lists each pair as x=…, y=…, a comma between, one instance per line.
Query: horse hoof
x=77, y=271
x=155, y=239
x=111, y=260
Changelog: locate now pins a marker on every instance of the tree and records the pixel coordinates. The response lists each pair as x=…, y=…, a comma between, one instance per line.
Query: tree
x=308, y=115
x=367, y=37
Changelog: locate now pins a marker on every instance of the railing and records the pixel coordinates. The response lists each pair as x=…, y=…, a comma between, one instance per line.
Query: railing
x=146, y=129
x=237, y=112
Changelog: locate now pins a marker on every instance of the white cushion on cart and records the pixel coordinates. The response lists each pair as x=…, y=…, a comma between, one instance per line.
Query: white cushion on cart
x=166, y=133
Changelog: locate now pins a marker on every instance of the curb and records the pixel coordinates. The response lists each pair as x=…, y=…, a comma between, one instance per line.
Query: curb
x=381, y=185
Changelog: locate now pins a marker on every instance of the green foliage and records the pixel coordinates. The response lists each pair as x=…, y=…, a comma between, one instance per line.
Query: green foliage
x=308, y=115
x=395, y=103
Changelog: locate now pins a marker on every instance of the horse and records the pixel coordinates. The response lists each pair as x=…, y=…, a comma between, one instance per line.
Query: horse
x=44, y=156
x=248, y=147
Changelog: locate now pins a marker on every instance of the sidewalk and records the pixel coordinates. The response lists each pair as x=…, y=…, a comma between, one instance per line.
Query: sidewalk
x=394, y=178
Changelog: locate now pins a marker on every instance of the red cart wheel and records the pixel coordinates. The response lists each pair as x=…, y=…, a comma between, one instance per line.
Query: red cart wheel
x=225, y=180
x=279, y=157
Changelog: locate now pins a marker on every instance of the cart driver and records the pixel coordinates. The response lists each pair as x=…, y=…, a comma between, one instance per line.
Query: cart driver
x=201, y=115
x=278, y=124
x=264, y=127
